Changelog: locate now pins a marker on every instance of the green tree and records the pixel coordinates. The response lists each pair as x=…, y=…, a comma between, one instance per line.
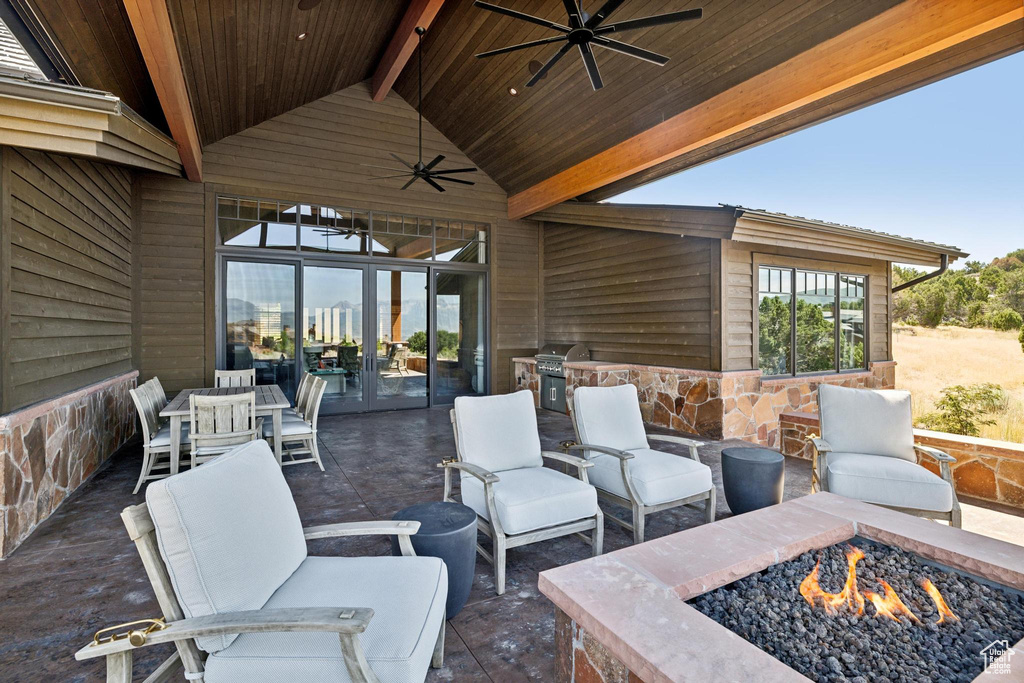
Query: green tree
x=1020, y=338
x=773, y=332
x=962, y=410
x=972, y=267
x=815, y=337
x=1005, y=319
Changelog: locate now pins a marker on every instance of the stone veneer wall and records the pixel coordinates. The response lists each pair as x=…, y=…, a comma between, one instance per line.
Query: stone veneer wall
x=984, y=468
x=716, y=405
x=581, y=658
x=47, y=450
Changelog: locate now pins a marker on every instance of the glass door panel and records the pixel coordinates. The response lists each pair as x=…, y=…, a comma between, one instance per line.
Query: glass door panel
x=460, y=307
x=400, y=369
x=260, y=321
x=332, y=346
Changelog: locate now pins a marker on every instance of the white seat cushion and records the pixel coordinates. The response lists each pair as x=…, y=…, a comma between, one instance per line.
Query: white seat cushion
x=163, y=436
x=867, y=421
x=887, y=481
x=407, y=595
x=229, y=533
x=609, y=417
x=498, y=433
x=295, y=428
x=533, y=498
x=658, y=477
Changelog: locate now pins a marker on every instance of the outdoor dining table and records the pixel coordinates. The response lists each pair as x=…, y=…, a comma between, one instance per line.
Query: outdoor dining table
x=270, y=400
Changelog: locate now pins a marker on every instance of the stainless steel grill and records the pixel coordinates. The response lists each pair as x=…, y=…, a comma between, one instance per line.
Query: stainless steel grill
x=550, y=367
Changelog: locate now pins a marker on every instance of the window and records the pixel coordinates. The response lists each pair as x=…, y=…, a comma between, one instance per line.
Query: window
x=252, y=223
x=810, y=321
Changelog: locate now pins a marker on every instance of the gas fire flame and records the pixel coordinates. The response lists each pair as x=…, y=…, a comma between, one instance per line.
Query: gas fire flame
x=888, y=605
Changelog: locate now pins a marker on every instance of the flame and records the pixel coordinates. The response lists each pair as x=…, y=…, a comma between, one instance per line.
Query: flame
x=890, y=605
x=945, y=613
x=832, y=602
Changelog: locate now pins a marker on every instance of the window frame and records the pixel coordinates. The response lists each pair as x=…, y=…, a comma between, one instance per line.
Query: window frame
x=833, y=269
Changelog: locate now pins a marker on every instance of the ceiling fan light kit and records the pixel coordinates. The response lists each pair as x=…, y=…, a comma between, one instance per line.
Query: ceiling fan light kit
x=585, y=32
x=428, y=173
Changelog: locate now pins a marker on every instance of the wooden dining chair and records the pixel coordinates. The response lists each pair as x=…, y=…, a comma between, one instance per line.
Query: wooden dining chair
x=234, y=378
x=156, y=439
x=219, y=423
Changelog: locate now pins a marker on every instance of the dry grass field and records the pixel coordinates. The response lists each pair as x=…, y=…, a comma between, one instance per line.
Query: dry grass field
x=930, y=359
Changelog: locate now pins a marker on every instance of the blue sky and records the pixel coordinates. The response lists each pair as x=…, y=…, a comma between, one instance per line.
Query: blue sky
x=943, y=163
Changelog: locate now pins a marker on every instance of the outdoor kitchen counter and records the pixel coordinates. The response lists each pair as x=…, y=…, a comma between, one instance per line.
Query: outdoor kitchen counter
x=630, y=606
x=579, y=365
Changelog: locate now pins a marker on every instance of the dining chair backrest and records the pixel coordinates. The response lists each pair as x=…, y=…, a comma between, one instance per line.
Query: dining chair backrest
x=222, y=422
x=147, y=415
x=235, y=378
x=159, y=395
x=314, y=396
x=302, y=392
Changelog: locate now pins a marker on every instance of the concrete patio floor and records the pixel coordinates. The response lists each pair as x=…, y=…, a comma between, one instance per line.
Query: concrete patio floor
x=79, y=571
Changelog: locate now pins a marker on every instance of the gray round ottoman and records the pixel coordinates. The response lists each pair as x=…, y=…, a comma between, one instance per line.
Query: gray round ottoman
x=753, y=478
x=447, y=531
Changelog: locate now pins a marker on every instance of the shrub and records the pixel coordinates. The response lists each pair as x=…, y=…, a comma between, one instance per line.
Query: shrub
x=418, y=342
x=447, y=343
x=1005, y=319
x=962, y=410
x=1021, y=339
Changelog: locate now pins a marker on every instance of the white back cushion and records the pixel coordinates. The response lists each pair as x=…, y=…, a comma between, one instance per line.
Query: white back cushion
x=229, y=533
x=867, y=421
x=498, y=432
x=610, y=417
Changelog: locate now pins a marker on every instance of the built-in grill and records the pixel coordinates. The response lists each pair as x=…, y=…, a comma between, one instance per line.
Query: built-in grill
x=550, y=367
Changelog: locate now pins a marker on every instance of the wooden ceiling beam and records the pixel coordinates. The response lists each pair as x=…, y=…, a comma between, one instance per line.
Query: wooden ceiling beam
x=907, y=33
x=402, y=45
x=151, y=22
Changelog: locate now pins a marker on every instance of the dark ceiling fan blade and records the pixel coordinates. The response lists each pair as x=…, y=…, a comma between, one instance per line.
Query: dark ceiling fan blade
x=575, y=16
x=631, y=50
x=434, y=185
x=588, y=61
x=438, y=159
x=385, y=168
x=520, y=15
x=455, y=170
x=453, y=180
x=656, y=20
x=386, y=177
x=401, y=161
x=521, y=46
x=411, y=181
x=600, y=15
x=548, y=64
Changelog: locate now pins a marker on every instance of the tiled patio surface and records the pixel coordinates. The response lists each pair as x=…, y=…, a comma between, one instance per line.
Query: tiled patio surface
x=79, y=571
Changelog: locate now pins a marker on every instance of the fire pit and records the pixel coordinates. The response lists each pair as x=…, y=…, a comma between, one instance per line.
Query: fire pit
x=885, y=596
x=860, y=609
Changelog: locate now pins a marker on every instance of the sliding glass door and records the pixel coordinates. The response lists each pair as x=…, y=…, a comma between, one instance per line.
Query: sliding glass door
x=460, y=308
x=400, y=371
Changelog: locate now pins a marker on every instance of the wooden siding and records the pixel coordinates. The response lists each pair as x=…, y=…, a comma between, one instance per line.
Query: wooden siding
x=739, y=263
x=629, y=296
x=67, y=299
x=317, y=153
x=171, y=320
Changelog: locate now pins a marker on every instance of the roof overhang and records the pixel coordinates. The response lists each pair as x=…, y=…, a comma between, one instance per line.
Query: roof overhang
x=81, y=122
x=716, y=222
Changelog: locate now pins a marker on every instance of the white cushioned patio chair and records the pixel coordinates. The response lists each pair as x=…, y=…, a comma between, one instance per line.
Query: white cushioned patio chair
x=626, y=470
x=244, y=601
x=866, y=451
x=517, y=500
x=156, y=437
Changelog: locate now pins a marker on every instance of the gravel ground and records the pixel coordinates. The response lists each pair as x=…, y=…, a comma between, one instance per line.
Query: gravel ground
x=767, y=610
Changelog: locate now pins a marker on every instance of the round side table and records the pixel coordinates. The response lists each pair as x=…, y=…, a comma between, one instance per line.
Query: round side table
x=447, y=531
x=753, y=478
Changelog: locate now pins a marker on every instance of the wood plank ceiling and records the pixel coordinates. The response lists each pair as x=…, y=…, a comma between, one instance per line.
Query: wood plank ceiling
x=522, y=140
x=244, y=65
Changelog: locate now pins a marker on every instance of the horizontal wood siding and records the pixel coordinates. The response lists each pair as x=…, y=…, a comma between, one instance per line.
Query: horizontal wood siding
x=739, y=280
x=172, y=311
x=516, y=278
x=67, y=226
x=630, y=296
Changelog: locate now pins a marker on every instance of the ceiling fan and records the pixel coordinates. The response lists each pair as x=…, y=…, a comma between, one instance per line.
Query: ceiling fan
x=428, y=173
x=587, y=31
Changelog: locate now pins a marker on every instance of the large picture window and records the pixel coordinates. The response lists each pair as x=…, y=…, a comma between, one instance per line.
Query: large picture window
x=810, y=321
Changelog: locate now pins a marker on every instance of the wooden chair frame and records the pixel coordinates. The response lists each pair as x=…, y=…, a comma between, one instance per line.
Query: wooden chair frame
x=347, y=622
x=311, y=412
x=215, y=421
x=152, y=460
x=501, y=541
x=234, y=378
x=819, y=476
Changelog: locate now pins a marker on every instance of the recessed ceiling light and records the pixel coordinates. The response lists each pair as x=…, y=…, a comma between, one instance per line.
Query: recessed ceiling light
x=513, y=92
x=301, y=36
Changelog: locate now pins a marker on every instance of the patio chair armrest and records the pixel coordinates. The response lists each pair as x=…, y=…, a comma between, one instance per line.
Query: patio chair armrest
x=682, y=440
x=934, y=453
x=574, y=460
x=621, y=455
x=386, y=528
x=469, y=468
x=346, y=621
x=820, y=444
